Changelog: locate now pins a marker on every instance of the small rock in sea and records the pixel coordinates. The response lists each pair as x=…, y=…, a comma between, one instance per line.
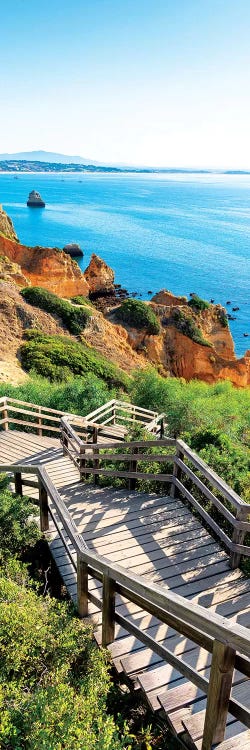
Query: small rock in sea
x=73, y=249
x=134, y=294
x=235, y=308
x=192, y=294
x=212, y=301
x=149, y=292
x=246, y=335
x=228, y=302
x=35, y=200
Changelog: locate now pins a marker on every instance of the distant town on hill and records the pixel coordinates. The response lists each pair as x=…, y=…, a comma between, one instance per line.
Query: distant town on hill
x=49, y=161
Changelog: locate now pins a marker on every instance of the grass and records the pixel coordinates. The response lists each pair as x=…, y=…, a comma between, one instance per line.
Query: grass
x=186, y=325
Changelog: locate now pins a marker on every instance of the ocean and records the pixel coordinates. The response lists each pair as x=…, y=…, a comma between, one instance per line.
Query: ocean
x=182, y=232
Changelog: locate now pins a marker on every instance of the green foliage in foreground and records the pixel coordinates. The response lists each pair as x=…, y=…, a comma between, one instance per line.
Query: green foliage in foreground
x=213, y=419
x=17, y=530
x=80, y=300
x=138, y=314
x=77, y=396
x=58, y=358
x=54, y=681
x=73, y=318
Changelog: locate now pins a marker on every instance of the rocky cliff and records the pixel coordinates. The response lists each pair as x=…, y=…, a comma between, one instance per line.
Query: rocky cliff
x=42, y=266
x=99, y=275
x=191, y=344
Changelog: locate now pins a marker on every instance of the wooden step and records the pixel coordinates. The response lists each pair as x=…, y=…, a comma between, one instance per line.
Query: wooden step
x=193, y=726
x=239, y=742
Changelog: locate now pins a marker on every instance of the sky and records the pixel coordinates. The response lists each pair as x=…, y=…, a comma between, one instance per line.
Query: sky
x=163, y=83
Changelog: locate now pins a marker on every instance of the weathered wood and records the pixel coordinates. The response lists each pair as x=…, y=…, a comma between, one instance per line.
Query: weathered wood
x=237, y=538
x=96, y=464
x=176, y=472
x=18, y=483
x=108, y=610
x=82, y=587
x=133, y=470
x=211, y=475
x=44, y=508
x=5, y=415
x=219, y=691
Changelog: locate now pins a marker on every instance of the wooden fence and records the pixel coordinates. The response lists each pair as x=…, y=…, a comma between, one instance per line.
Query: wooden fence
x=44, y=420
x=227, y=515
x=228, y=643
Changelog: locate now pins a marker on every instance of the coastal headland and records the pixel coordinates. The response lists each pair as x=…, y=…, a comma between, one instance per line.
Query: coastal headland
x=190, y=339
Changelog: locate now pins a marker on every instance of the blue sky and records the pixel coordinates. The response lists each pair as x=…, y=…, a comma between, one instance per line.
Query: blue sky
x=163, y=83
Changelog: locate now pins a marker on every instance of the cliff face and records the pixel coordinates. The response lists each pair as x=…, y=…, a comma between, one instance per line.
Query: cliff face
x=46, y=267
x=6, y=226
x=175, y=353
x=99, y=275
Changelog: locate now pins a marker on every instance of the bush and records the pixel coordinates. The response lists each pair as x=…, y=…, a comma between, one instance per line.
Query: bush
x=58, y=358
x=80, y=300
x=17, y=530
x=198, y=304
x=73, y=318
x=186, y=325
x=77, y=396
x=138, y=314
x=54, y=680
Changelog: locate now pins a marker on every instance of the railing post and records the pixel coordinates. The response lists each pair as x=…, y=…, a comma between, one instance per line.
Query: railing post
x=176, y=471
x=82, y=587
x=44, y=507
x=133, y=467
x=220, y=684
x=237, y=538
x=18, y=484
x=82, y=463
x=5, y=414
x=96, y=464
x=108, y=610
x=162, y=428
x=40, y=432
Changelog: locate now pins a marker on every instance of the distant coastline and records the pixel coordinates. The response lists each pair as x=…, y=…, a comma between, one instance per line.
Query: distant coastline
x=18, y=166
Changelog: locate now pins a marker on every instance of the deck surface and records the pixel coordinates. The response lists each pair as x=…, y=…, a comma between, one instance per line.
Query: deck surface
x=159, y=538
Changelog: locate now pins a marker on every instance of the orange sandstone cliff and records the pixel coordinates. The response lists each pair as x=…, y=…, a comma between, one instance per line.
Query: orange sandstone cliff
x=42, y=266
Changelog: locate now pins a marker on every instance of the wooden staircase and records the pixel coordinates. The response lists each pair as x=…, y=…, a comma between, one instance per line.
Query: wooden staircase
x=165, y=597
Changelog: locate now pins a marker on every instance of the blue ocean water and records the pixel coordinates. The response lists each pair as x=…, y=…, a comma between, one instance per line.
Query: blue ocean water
x=186, y=232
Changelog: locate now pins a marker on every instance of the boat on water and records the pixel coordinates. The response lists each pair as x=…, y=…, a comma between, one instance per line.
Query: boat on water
x=35, y=200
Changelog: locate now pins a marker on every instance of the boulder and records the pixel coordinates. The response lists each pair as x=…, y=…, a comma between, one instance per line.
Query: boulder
x=73, y=249
x=35, y=200
x=99, y=275
x=164, y=297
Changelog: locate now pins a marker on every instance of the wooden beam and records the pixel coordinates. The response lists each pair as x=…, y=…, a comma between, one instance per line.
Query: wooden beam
x=108, y=610
x=82, y=587
x=220, y=684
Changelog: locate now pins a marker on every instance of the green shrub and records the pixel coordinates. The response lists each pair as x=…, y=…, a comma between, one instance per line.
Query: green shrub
x=78, y=395
x=186, y=325
x=222, y=317
x=58, y=358
x=54, y=681
x=138, y=314
x=80, y=300
x=198, y=304
x=74, y=319
x=17, y=530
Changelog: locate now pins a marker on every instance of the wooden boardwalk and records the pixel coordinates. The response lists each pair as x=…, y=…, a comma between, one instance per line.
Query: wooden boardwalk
x=159, y=538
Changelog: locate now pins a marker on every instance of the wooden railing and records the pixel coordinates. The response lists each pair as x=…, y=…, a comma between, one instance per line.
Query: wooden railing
x=228, y=643
x=44, y=420
x=227, y=515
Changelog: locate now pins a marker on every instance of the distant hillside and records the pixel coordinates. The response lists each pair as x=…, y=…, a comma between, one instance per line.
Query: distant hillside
x=47, y=156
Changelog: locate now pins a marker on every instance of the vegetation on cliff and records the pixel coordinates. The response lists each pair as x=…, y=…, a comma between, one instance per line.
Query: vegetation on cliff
x=198, y=304
x=59, y=358
x=186, y=325
x=73, y=317
x=138, y=315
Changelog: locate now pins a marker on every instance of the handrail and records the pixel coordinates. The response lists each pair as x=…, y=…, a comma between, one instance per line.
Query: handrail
x=228, y=642
x=89, y=458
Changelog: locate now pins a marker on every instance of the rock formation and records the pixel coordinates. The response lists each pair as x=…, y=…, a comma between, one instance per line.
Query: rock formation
x=99, y=275
x=10, y=271
x=6, y=226
x=43, y=266
x=73, y=249
x=35, y=200
x=164, y=297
